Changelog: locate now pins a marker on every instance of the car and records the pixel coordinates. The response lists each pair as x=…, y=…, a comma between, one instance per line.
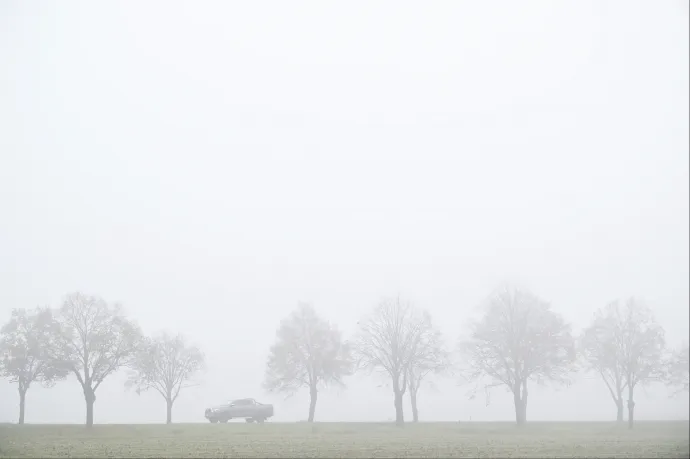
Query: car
x=246, y=408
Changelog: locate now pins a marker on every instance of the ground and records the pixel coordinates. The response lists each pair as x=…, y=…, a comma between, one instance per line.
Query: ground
x=647, y=439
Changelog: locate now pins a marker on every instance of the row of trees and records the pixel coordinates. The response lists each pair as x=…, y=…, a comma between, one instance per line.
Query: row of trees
x=397, y=340
x=90, y=339
x=517, y=341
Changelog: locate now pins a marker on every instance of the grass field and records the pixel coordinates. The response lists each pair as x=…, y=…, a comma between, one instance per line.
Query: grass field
x=648, y=439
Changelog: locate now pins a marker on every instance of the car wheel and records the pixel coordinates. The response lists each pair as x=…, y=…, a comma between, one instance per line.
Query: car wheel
x=213, y=421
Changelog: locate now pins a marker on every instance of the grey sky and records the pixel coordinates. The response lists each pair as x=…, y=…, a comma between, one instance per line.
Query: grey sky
x=211, y=164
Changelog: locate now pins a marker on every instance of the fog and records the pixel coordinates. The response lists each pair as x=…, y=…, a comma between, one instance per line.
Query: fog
x=212, y=164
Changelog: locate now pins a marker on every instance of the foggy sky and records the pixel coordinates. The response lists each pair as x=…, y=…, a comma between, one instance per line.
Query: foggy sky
x=212, y=164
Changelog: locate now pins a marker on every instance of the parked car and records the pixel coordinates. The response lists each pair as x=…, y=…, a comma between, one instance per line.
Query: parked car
x=246, y=408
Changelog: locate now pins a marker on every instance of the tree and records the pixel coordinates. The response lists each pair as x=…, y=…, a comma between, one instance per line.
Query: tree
x=519, y=339
x=625, y=346
x=677, y=370
x=24, y=344
x=93, y=341
x=308, y=352
x=166, y=364
x=602, y=347
x=389, y=341
x=429, y=357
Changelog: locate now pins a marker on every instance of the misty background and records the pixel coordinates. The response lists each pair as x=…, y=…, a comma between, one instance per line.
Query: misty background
x=211, y=164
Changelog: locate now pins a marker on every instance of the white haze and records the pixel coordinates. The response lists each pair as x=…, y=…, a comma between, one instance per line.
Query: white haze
x=212, y=164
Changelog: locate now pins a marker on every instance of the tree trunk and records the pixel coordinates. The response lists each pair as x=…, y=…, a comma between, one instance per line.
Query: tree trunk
x=519, y=410
x=22, y=401
x=313, y=395
x=398, y=402
x=168, y=417
x=90, y=398
x=413, y=402
x=524, y=404
x=520, y=404
x=631, y=408
x=619, y=409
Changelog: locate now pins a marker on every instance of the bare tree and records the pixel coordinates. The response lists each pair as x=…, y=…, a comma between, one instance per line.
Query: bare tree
x=166, y=364
x=602, y=346
x=677, y=370
x=388, y=340
x=625, y=345
x=308, y=352
x=636, y=343
x=24, y=342
x=429, y=356
x=94, y=340
x=518, y=339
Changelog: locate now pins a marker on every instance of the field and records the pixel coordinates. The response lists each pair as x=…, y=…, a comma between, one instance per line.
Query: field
x=648, y=439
